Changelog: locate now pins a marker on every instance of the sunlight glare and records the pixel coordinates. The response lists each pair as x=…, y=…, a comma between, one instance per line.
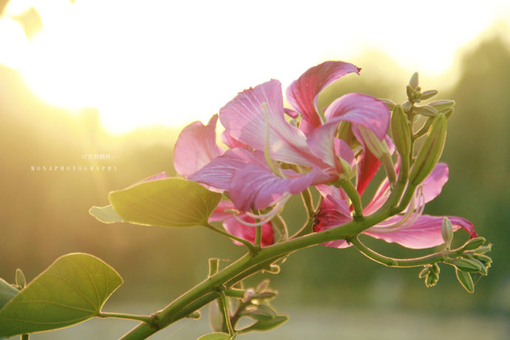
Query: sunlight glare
x=167, y=63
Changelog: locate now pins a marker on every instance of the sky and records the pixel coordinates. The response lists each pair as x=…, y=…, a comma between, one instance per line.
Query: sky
x=173, y=62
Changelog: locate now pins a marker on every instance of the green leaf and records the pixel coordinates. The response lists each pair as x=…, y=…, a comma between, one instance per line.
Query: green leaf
x=7, y=292
x=105, y=214
x=73, y=289
x=170, y=202
x=215, y=336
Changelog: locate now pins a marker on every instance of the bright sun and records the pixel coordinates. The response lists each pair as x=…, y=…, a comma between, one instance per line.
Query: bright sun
x=169, y=63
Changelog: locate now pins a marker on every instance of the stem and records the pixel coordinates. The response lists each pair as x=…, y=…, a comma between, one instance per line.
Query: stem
x=306, y=196
x=258, y=238
x=226, y=314
x=25, y=336
x=143, y=318
x=353, y=194
x=401, y=263
x=240, y=240
x=206, y=291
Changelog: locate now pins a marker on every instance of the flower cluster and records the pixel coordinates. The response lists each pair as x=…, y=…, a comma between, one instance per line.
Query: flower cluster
x=269, y=152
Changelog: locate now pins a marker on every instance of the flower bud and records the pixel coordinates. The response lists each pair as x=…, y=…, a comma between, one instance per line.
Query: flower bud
x=468, y=265
x=400, y=131
x=465, y=280
x=426, y=110
x=410, y=93
x=21, y=282
x=473, y=244
x=447, y=232
x=407, y=106
x=430, y=152
x=413, y=82
x=428, y=94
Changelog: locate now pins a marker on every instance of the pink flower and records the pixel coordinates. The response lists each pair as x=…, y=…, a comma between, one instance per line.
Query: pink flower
x=410, y=229
x=269, y=158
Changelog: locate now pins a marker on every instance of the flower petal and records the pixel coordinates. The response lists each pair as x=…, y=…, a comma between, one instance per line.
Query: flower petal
x=245, y=120
x=303, y=93
x=424, y=233
x=219, y=172
x=196, y=147
x=257, y=187
x=333, y=212
x=361, y=109
x=247, y=233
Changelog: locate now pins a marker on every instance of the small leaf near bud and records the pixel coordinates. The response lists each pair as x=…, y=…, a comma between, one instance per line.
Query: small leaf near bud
x=473, y=244
x=465, y=280
x=484, y=249
x=414, y=81
x=447, y=232
x=431, y=151
x=428, y=111
x=428, y=94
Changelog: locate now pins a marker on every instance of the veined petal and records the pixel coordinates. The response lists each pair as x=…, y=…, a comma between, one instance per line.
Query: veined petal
x=361, y=109
x=256, y=187
x=425, y=232
x=219, y=172
x=196, y=147
x=245, y=119
x=433, y=184
x=333, y=212
x=247, y=233
x=303, y=93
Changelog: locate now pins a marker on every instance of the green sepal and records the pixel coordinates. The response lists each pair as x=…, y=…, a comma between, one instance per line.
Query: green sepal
x=169, y=202
x=73, y=289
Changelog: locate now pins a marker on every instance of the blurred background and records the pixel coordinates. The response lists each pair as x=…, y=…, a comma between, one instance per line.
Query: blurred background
x=94, y=93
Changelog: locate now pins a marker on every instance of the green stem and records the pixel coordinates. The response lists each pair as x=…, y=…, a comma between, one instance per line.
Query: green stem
x=143, y=318
x=306, y=196
x=353, y=194
x=401, y=263
x=258, y=238
x=25, y=336
x=223, y=301
x=240, y=240
x=247, y=265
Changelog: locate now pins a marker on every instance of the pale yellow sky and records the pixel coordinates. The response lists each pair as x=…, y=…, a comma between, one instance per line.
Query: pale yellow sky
x=173, y=62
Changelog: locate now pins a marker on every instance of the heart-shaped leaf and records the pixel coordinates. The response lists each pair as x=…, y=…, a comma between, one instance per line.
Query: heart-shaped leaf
x=7, y=292
x=73, y=289
x=170, y=202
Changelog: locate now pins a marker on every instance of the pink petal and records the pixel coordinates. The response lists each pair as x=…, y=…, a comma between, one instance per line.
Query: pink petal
x=433, y=184
x=196, y=147
x=424, y=233
x=361, y=109
x=247, y=233
x=244, y=119
x=219, y=172
x=333, y=212
x=303, y=93
x=257, y=187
